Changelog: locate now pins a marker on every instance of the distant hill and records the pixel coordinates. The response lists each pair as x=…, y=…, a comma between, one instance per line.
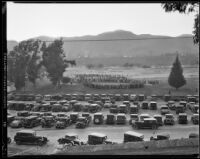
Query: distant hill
x=145, y=45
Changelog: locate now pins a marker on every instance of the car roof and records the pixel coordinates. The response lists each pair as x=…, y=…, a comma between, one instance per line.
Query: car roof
x=71, y=134
x=98, y=113
x=144, y=115
x=26, y=131
x=133, y=106
x=74, y=113
x=157, y=115
x=182, y=114
x=168, y=114
x=121, y=114
x=149, y=119
x=122, y=105
x=183, y=101
x=153, y=102
x=94, y=104
x=164, y=106
x=97, y=134
x=195, y=114
x=133, y=133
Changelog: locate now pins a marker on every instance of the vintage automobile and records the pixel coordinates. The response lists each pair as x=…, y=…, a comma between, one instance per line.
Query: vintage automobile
x=191, y=99
x=113, y=109
x=164, y=110
x=10, y=118
x=190, y=105
x=117, y=97
x=81, y=97
x=158, y=117
x=31, y=121
x=93, y=108
x=61, y=115
x=9, y=140
x=149, y=123
x=85, y=107
x=133, y=109
x=62, y=122
x=23, y=113
x=127, y=103
x=171, y=105
x=184, y=103
x=72, y=102
x=29, y=137
x=48, y=121
x=74, y=96
x=18, y=122
x=153, y=105
x=169, y=119
x=88, y=97
x=143, y=116
x=195, y=108
x=107, y=104
x=62, y=102
x=180, y=109
x=56, y=97
x=56, y=107
x=100, y=103
x=131, y=136
x=67, y=97
x=82, y=122
x=125, y=97
x=145, y=105
x=91, y=101
x=74, y=116
x=88, y=116
x=122, y=109
x=133, y=97
x=137, y=104
x=111, y=119
x=160, y=136
x=77, y=107
x=133, y=117
x=121, y=118
x=45, y=107
x=167, y=97
x=96, y=97
x=141, y=97
x=98, y=118
x=182, y=118
x=47, y=97
x=70, y=139
x=193, y=135
x=98, y=138
x=195, y=119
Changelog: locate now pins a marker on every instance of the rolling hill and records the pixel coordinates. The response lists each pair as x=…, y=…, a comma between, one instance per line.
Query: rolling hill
x=144, y=45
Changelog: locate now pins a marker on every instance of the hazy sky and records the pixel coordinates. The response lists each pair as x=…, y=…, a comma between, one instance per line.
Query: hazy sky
x=30, y=20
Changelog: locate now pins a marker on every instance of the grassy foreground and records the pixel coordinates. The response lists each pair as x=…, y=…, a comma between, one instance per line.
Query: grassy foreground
x=162, y=88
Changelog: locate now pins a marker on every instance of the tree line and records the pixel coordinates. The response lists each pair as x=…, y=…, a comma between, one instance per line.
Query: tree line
x=26, y=59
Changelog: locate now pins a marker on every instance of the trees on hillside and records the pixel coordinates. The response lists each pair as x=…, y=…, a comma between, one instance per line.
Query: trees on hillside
x=176, y=78
x=186, y=7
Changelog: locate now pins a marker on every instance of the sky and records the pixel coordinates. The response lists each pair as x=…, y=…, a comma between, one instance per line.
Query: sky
x=26, y=21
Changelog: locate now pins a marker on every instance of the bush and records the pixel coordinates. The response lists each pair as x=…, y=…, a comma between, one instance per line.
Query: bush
x=66, y=79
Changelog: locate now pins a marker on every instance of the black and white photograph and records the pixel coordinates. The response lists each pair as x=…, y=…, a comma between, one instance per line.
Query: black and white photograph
x=102, y=79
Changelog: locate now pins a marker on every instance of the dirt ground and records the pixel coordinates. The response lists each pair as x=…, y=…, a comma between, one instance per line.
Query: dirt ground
x=114, y=132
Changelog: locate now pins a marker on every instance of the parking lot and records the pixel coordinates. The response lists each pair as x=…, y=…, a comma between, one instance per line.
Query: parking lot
x=114, y=132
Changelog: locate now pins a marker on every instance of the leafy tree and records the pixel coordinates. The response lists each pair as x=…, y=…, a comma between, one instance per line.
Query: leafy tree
x=34, y=64
x=176, y=78
x=186, y=7
x=54, y=61
x=23, y=63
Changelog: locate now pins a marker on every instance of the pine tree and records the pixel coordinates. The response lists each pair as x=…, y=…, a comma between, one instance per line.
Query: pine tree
x=176, y=78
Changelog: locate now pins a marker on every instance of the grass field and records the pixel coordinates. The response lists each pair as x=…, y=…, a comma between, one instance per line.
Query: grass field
x=191, y=74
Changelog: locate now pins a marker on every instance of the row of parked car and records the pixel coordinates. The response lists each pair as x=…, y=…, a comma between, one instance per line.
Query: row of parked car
x=62, y=120
x=29, y=137
x=101, y=97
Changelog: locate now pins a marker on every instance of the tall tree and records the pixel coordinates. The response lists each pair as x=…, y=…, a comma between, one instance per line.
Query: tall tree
x=23, y=63
x=186, y=7
x=176, y=78
x=34, y=63
x=54, y=61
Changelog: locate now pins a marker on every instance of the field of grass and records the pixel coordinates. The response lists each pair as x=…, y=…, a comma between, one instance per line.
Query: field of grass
x=191, y=74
